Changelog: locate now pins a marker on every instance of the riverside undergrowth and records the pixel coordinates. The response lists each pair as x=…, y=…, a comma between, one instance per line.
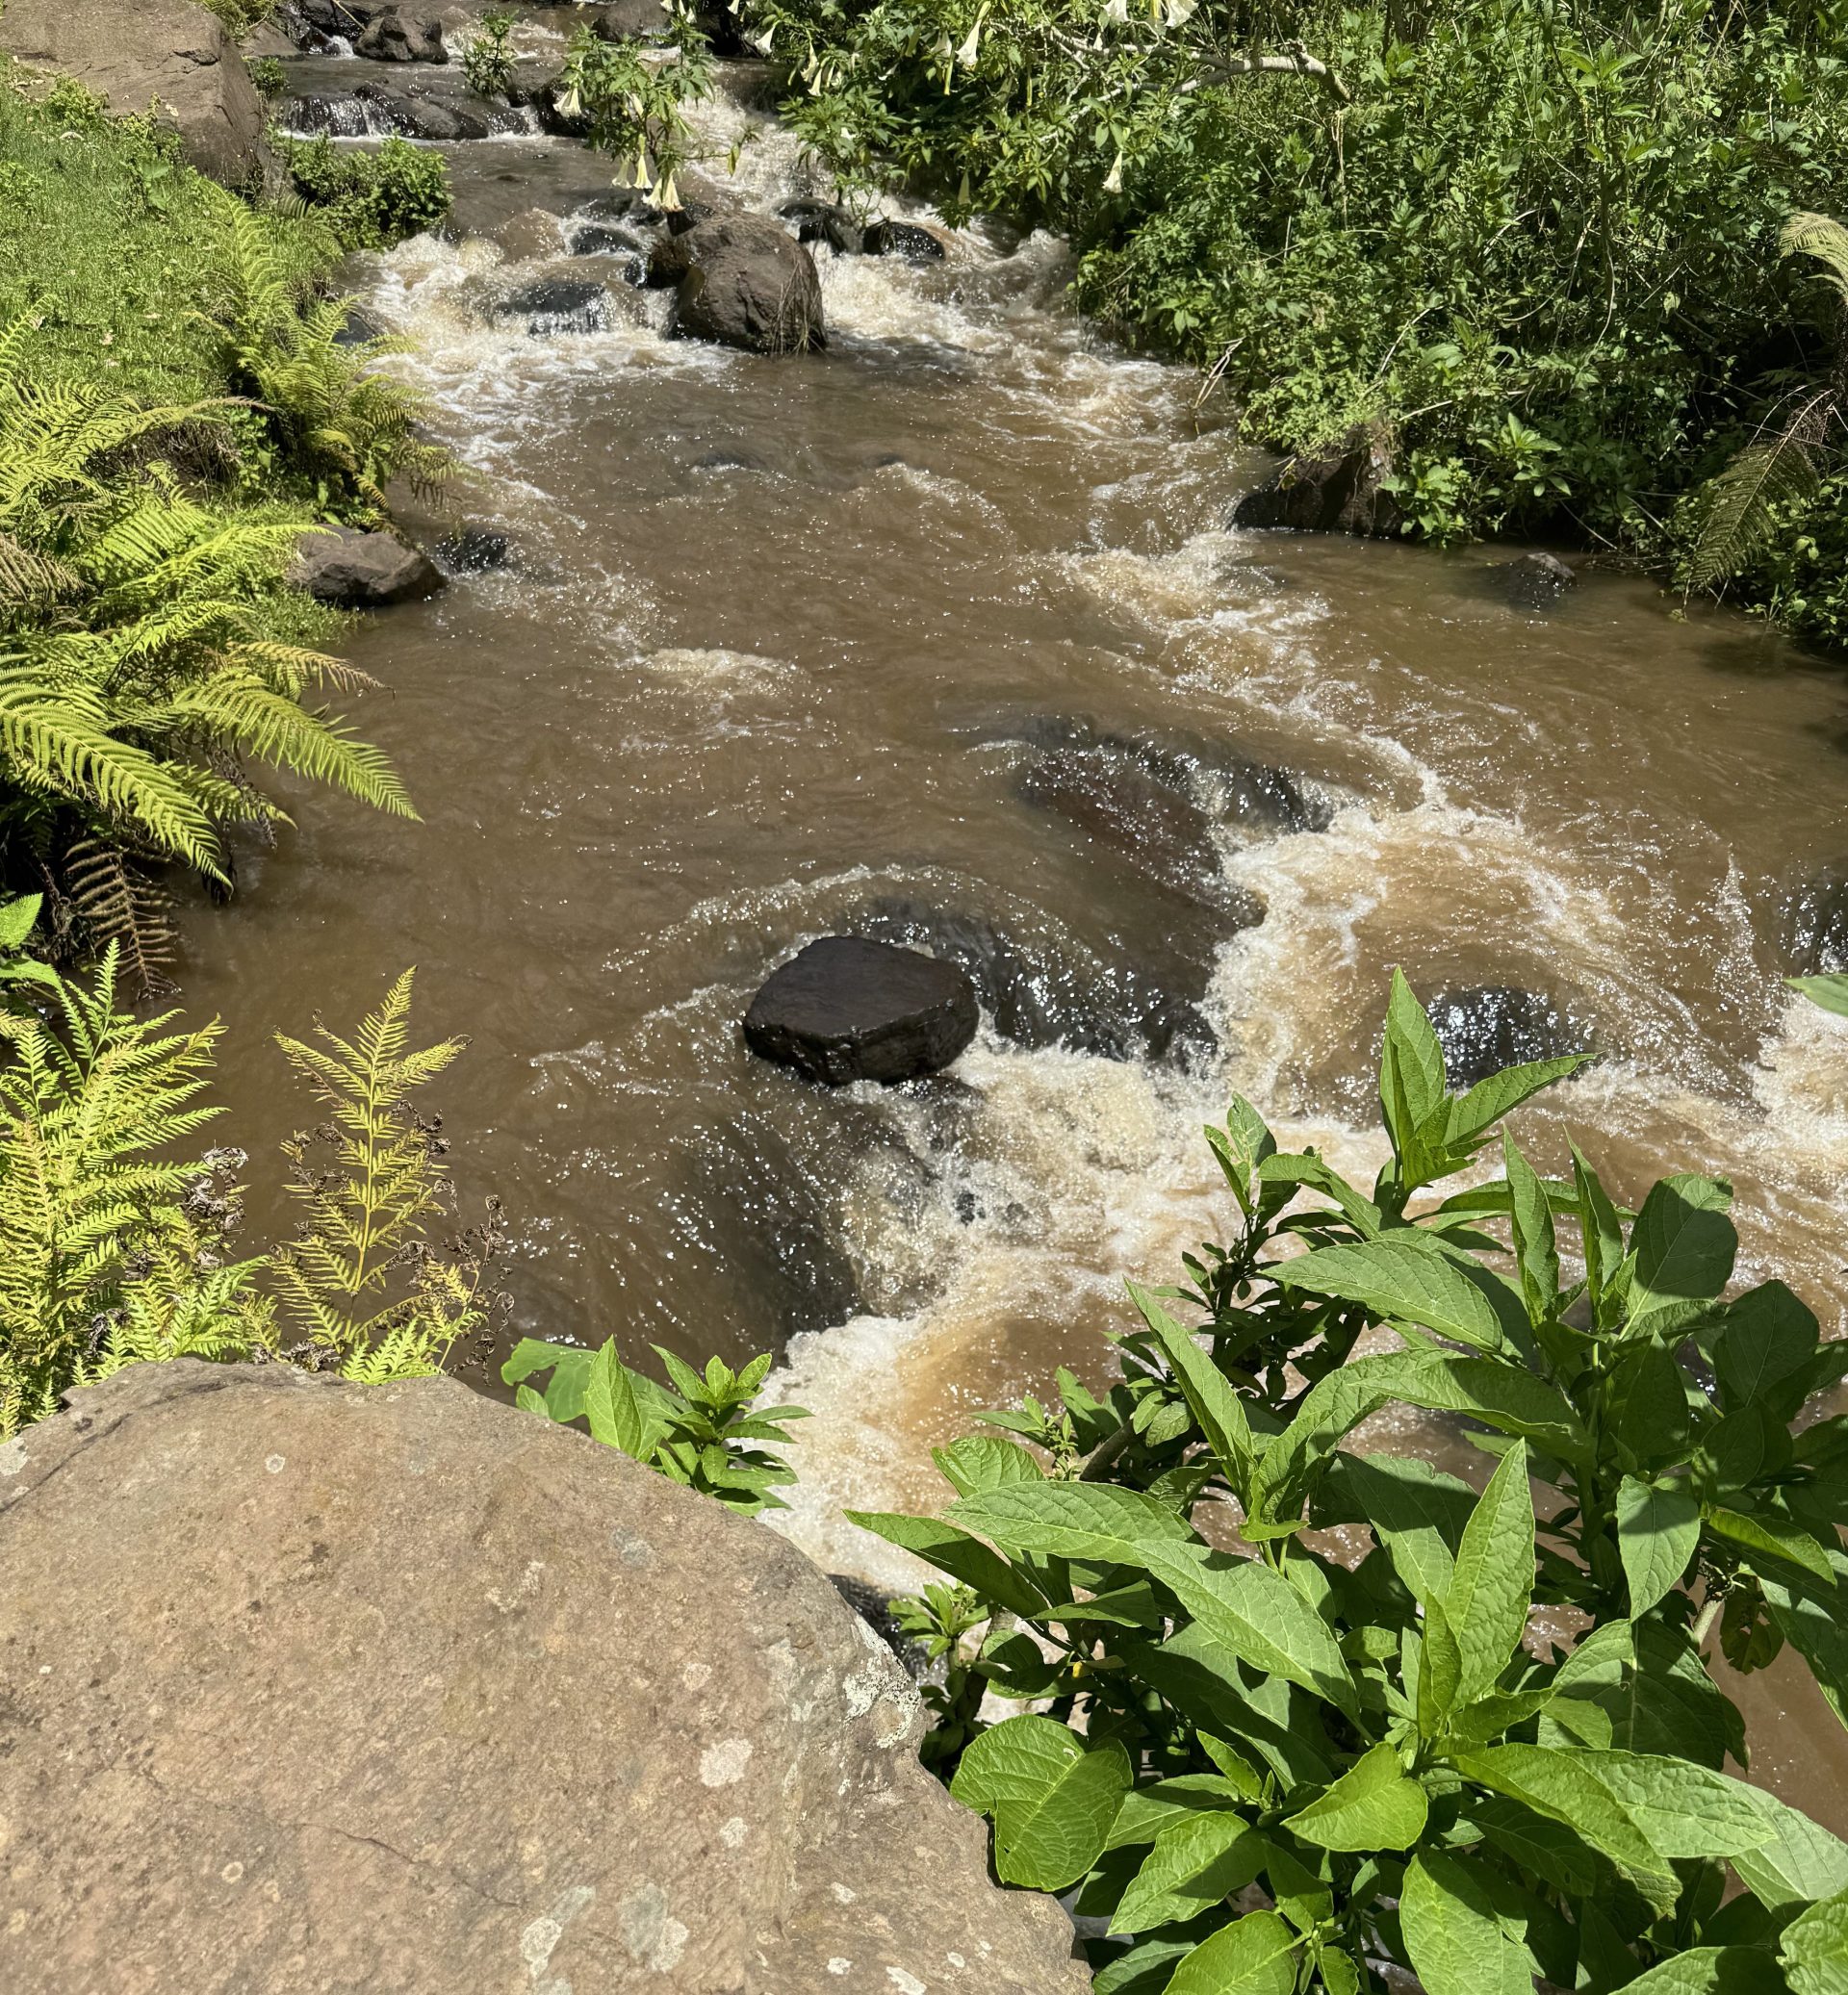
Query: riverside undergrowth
x=1529, y=244
x=1404, y=1725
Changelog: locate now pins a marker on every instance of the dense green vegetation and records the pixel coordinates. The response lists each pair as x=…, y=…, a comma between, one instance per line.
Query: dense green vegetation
x=1471, y=1735
x=1532, y=245
x=177, y=407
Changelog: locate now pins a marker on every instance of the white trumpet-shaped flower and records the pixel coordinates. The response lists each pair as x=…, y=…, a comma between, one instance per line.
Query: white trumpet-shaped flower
x=1114, y=179
x=762, y=42
x=1181, y=10
x=571, y=104
x=972, y=47
x=667, y=197
x=1117, y=10
x=644, y=179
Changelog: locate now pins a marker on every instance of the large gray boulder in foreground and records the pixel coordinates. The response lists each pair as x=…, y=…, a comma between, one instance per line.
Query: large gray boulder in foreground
x=168, y=53
x=311, y=1686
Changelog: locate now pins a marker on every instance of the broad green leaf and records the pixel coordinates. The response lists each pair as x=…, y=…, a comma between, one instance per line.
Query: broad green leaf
x=1685, y=1809
x=1683, y=1246
x=1766, y=1336
x=1146, y=1811
x=570, y=1368
x=1710, y=1971
x=1486, y=1603
x=1372, y=1806
x=1814, y=1626
x=1255, y=1613
x=1814, y=1951
x=1195, y=1864
x=955, y=1552
x=1601, y=1236
x=1770, y=1538
x=1829, y=991
x=1143, y=1970
x=1219, y=1694
x=1296, y=1169
x=1416, y=1512
x=1549, y=1849
x=1240, y=1147
x=1658, y=1531
x=1253, y=1956
x=529, y=1402
x=985, y=1462
x=1536, y=1255
x=1401, y=1281
x=620, y=1415
x=1440, y=1670
x=1559, y=1785
x=1051, y=1799
x=1477, y=1112
x=1454, y=1939
x=1801, y=1862
x=1213, y=1402
x=16, y=918
x=1411, y=1068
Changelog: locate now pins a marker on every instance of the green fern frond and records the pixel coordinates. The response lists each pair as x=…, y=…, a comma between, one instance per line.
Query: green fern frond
x=1822, y=237
x=1745, y=498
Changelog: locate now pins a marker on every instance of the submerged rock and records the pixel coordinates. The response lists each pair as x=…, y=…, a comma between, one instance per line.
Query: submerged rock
x=748, y=284
x=847, y=1009
x=910, y=239
x=1333, y=491
x=356, y=570
x=824, y=222
x=632, y=1740
x=1483, y=1028
x=555, y=305
x=472, y=551
x=1534, y=580
x=389, y=37
x=630, y=20
x=1162, y=831
x=168, y=53
x=1815, y=925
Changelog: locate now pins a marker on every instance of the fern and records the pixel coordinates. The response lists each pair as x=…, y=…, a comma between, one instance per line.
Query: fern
x=126, y=906
x=85, y=1198
x=360, y=1281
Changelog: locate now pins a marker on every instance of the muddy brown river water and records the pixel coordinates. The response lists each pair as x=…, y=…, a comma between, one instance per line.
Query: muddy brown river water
x=942, y=635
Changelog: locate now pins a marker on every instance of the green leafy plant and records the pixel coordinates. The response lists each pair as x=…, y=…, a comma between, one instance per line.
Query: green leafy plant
x=1829, y=991
x=360, y=1281
x=370, y=199
x=137, y=681
x=1293, y=1765
x=17, y=964
x=487, y=60
x=269, y=77
x=701, y=1430
x=342, y=424
x=636, y=99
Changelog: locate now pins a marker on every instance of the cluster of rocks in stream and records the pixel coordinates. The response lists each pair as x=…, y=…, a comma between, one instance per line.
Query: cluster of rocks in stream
x=396, y=1687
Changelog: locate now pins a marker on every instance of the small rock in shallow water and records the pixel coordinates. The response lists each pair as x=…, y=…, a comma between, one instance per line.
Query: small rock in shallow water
x=910, y=239
x=824, y=222
x=389, y=37
x=1534, y=581
x=559, y=305
x=472, y=551
x=353, y=569
x=846, y=1010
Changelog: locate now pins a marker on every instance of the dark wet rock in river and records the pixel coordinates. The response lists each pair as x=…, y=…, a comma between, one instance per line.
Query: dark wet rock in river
x=608, y=239
x=730, y=1797
x=411, y=114
x=354, y=570
x=670, y=258
x=850, y=1009
x=1485, y=1026
x=554, y=305
x=168, y=53
x=472, y=551
x=390, y=37
x=1335, y=491
x=630, y=20
x=910, y=239
x=1815, y=925
x=1040, y=988
x=824, y=222
x=702, y=199
x=1534, y=580
x=749, y=284
x=531, y=236
x=361, y=328
x=1113, y=802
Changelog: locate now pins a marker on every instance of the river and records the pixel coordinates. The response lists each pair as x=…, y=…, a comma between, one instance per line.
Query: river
x=942, y=635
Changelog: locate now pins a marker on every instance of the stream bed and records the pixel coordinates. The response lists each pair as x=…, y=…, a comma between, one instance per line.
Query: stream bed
x=942, y=635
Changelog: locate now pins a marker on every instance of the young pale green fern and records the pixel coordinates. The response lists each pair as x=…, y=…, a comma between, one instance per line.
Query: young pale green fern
x=360, y=1280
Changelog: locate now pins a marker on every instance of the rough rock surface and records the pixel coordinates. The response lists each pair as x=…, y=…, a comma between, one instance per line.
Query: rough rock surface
x=749, y=283
x=1336, y=490
x=353, y=570
x=135, y=52
x=389, y=37
x=314, y=1686
x=846, y=1009
x=910, y=239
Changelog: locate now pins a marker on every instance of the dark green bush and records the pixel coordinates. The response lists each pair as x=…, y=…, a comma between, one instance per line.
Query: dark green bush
x=371, y=199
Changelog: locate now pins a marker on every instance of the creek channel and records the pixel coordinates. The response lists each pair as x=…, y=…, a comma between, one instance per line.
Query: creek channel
x=942, y=635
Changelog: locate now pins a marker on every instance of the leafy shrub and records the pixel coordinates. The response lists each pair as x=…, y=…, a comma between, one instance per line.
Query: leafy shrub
x=636, y=100
x=269, y=77
x=371, y=199
x=487, y=61
x=1523, y=240
x=136, y=679
x=1286, y=1768
x=700, y=1431
x=113, y=1251
x=341, y=426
